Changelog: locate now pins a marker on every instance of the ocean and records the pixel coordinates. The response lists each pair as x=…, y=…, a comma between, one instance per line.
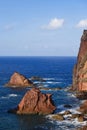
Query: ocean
x=56, y=72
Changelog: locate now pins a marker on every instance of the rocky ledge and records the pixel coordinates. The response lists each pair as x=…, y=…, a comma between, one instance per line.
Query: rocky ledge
x=18, y=80
x=35, y=102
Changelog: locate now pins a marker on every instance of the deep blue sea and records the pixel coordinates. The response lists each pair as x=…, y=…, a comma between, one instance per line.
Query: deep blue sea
x=56, y=71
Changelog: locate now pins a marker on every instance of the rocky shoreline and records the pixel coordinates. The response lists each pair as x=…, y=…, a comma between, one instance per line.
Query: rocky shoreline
x=36, y=102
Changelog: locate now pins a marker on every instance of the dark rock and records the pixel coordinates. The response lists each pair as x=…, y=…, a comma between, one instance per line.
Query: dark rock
x=75, y=115
x=81, y=95
x=83, y=108
x=67, y=106
x=53, y=89
x=43, y=88
x=57, y=88
x=81, y=118
x=83, y=128
x=37, y=78
x=35, y=102
x=18, y=80
x=67, y=112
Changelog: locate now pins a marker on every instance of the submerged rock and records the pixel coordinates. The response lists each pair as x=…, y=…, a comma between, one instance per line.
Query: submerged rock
x=83, y=128
x=80, y=117
x=75, y=115
x=18, y=80
x=37, y=78
x=58, y=117
x=67, y=112
x=46, y=88
x=81, y=95
x=35, y=102
x=67, y=106
x=80, y=68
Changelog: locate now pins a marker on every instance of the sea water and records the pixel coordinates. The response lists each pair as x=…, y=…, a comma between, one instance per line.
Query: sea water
x=56, y=72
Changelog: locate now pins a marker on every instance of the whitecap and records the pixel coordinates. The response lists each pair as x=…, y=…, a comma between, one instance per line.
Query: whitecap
x=9, y=96
x=12, y=95
x=71, y=95
x=3, y=97
x=52, y=82
x=66, y=122
x=75, y=110
x=49, y=78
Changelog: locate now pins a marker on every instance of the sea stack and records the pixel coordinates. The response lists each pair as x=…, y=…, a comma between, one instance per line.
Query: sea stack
x=35, y=102
x=18, y=80
x=80, y=68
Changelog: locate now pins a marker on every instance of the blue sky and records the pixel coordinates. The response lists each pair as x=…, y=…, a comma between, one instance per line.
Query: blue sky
x=41, y=27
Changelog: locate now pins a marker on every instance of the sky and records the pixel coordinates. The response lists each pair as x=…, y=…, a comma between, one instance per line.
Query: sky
x=41, y=27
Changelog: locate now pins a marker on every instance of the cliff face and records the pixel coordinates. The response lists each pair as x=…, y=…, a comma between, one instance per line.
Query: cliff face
x=80, y=68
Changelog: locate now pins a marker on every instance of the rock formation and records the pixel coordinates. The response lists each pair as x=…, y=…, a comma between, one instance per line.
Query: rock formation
x=18, y=80
x=35, y=102
x=80, y=68
x=36, y=78
x=83, y=107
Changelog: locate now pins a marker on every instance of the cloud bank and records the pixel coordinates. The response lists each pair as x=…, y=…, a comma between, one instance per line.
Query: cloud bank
x=54, y=24
x=82, y=23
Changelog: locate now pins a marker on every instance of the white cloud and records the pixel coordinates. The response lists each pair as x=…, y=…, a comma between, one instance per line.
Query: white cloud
x=9, y=27
x=82, y=23
x=54, y=24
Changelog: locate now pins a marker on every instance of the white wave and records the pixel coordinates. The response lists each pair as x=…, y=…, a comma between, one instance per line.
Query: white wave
x=3, y=97
x=49, y=82
x=75, y=110
x=71, y=95
x=75, y=122
x=72, y=110
x=12, y=95
x=8, y=96
x=66, y=122
x=67, y=116
x=52, y=82
x=49, y=78
x=45, y=85
x=36, y=82
x=61, y=107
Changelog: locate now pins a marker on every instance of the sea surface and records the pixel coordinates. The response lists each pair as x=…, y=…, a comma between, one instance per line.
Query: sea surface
x=56, y=72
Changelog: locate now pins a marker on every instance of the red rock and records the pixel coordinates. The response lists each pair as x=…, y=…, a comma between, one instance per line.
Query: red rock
x=35, y=102
x=83, y=107
x=19, y=80
x=80, y=69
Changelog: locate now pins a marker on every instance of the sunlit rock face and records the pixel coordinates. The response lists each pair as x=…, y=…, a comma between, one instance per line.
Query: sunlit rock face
x=35, y=102
x=80, y=68
x=18, y=80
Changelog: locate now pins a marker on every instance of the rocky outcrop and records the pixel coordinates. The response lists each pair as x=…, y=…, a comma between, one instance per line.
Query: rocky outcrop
x=18, y=80
x=35, y=102
x=80, y=68
x=83, y=108
x=36, y=78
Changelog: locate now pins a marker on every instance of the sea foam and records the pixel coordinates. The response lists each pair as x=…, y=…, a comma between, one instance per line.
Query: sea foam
x=9, y=96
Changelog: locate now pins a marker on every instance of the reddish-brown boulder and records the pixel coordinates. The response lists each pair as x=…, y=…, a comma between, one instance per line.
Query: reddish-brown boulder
x=35, y=102
x=83, y=108
x=19, y=80
x=80, y=69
